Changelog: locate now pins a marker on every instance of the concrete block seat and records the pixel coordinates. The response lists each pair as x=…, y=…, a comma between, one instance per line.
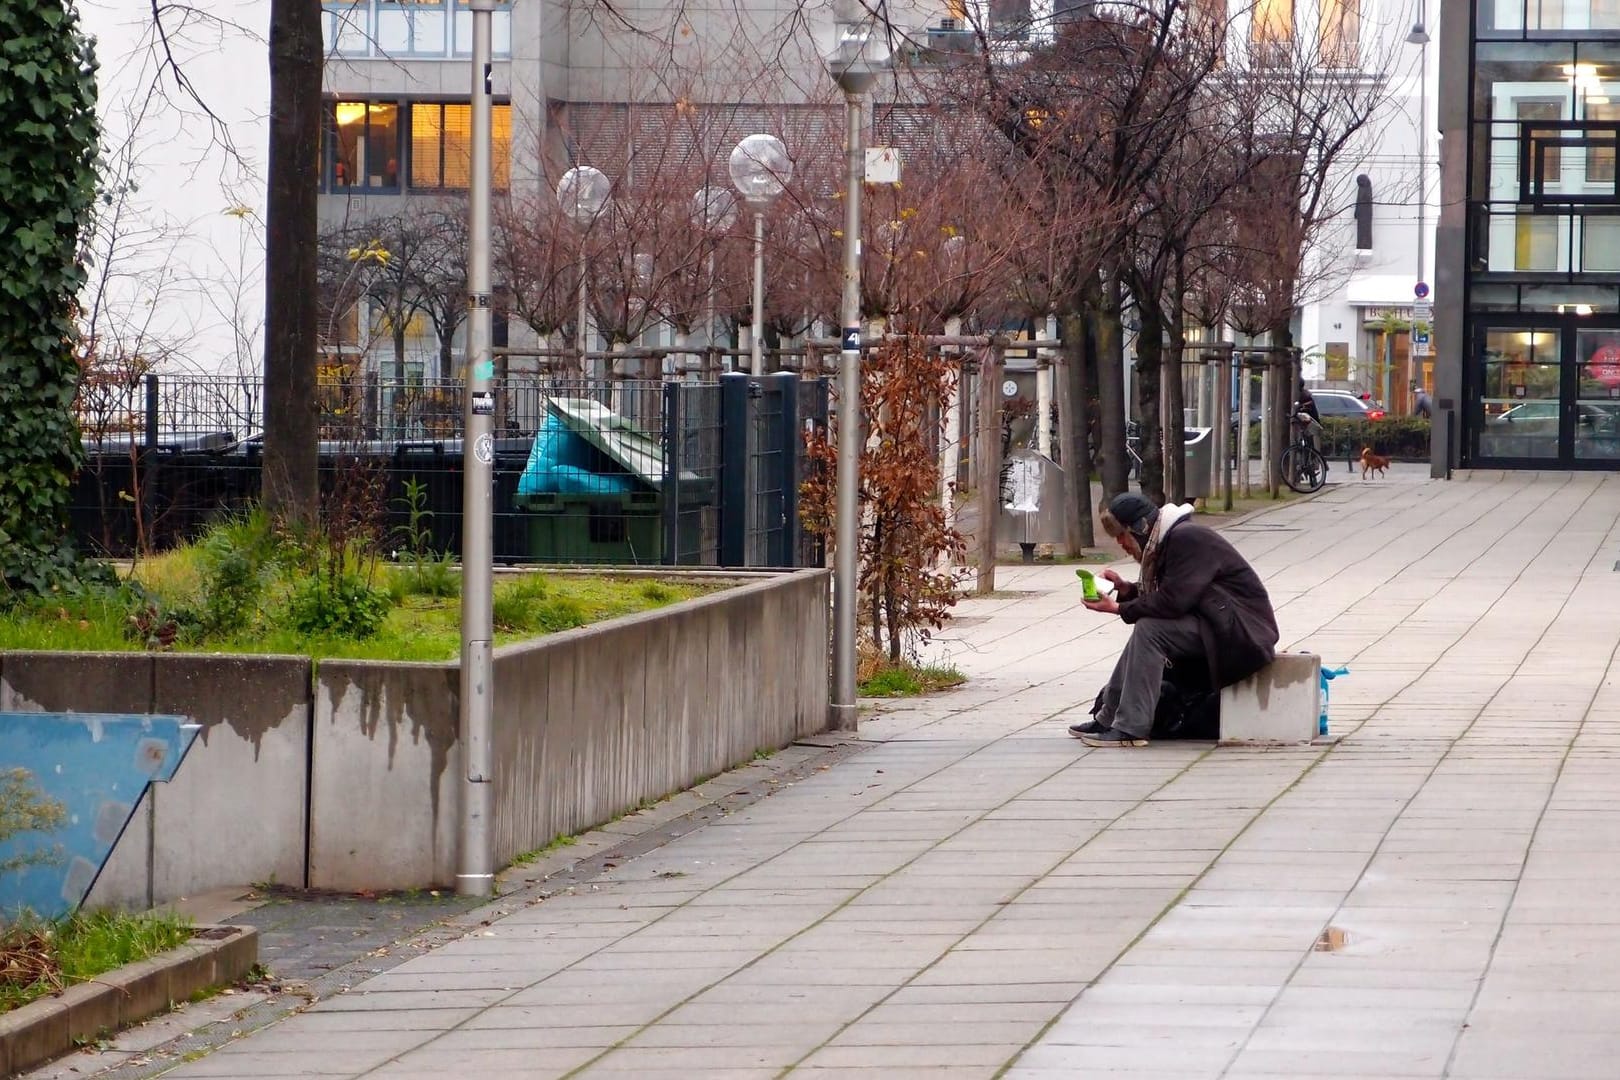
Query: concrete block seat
x=1279, y=704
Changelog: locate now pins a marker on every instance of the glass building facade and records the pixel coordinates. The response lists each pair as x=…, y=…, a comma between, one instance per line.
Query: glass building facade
x=1530, y=236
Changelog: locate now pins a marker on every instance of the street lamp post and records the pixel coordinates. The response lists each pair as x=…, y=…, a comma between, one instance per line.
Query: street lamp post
x=1419, y=37
x=475, y=869
x=858, y=58
x=583, y=194
x=760, y=169
x=715, y=210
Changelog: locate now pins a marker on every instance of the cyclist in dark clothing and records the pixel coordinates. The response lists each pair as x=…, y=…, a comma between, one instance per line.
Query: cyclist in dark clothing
x=1307, y=405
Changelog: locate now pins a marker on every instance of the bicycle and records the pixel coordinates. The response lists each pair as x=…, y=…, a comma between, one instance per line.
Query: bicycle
x=1303, y=467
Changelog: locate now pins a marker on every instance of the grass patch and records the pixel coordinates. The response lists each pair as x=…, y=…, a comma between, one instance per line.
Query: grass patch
x=908, y=680
x=1240, y=505
x=39, y=959
x=1058, y=558
x=419, y=625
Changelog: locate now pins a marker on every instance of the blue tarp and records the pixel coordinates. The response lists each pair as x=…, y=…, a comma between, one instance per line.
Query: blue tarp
x=562, y=462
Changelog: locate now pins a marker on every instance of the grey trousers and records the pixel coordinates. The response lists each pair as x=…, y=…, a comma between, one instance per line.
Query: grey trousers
x=1133, y=689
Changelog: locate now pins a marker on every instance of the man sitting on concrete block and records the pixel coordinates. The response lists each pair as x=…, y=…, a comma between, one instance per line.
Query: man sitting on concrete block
x=1198, y=602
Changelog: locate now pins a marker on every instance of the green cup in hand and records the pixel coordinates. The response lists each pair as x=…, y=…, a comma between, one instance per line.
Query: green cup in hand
x=1088, y=582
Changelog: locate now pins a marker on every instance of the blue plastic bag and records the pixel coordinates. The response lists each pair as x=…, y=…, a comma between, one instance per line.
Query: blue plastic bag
x=1327, y=677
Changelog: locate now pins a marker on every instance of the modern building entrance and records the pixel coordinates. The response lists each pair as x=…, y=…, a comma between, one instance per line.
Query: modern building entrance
x=1545, y=391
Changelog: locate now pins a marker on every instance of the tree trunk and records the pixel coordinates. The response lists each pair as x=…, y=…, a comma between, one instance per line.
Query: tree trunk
x=1175, y=400
x=988, y=479
x=1149, y=361
x=1104, y=299
x=1074, y=442
x=291, y=485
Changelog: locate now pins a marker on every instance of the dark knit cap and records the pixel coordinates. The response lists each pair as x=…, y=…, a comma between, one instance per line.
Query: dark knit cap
x=1130, y=510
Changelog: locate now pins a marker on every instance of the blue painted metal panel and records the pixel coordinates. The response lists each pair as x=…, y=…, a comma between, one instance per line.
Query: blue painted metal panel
x=93, y=768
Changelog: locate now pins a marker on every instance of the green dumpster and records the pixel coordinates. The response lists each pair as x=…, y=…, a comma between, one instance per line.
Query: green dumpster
x=593, y=491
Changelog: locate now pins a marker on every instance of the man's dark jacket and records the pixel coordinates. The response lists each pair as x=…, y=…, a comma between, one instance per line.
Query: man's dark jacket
x=1200, y=574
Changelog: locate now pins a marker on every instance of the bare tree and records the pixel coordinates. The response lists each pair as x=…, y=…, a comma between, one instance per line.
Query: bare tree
x=291, y=489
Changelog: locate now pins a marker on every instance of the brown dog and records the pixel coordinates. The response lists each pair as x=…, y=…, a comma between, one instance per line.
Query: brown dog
x=1372, y=463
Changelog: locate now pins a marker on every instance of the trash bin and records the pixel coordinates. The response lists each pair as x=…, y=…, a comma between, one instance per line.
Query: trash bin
x=593, y=490
x=1198, y=461
x=1031, y=502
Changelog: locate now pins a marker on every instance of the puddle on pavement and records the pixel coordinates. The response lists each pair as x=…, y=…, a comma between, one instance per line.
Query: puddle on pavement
x=1332, y=940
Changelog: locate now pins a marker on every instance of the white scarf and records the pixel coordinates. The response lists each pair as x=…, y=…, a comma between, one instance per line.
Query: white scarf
x=1169, y=517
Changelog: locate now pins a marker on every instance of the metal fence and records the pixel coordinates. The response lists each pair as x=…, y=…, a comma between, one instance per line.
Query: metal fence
x=613, y=472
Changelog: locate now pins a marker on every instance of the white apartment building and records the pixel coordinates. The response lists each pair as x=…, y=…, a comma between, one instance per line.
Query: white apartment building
x=1355, y=324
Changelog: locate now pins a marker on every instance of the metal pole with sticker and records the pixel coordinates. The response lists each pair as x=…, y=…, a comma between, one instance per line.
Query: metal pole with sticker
x=475, y=870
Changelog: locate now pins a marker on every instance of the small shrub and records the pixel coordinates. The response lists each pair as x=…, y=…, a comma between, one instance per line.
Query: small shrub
x=232, y=587
x=513, y=611
x=431, y=577
x=559, y=613
x=657, y=592
x=344, y=607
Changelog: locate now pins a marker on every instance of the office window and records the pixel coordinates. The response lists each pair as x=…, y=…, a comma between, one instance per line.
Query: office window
x=1535, y=242
x=1551, y=157
x=365, y=151
x=1339, y=32
x=1600, y=242
x=1271, y=29
x=1600, y=157
x=441, y=146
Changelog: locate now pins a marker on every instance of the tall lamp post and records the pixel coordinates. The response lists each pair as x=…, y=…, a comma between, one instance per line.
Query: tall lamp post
x=760, y=169
x=583, y=194
x=475, y=869
x=715, y=210
x=859, y=56
x=1420, y=37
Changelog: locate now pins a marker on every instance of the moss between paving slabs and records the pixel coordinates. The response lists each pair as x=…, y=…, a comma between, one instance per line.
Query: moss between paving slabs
x=39, y=959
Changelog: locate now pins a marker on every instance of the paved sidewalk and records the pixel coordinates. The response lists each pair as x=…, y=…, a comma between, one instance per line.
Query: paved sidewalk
x=979, y=895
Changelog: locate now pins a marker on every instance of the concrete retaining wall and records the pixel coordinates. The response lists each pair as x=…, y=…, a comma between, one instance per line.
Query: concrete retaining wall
x=590, y=723
x=346, y=774
x=384, y=775
x=234, y=813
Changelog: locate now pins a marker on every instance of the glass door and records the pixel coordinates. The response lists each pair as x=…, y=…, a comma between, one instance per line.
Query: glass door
x=1517, y=415
x=1595, y=397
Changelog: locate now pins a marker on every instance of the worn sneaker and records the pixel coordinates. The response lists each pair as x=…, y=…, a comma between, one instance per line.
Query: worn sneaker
x=1112, y=737
x=1090, y=727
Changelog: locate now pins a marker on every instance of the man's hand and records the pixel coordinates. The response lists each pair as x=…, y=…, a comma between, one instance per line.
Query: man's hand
x=1107, y=605
x=1110, y=575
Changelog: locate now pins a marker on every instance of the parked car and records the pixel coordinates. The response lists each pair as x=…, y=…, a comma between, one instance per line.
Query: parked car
x=1343, y=405
x=1334, y=404
x=1536, y=417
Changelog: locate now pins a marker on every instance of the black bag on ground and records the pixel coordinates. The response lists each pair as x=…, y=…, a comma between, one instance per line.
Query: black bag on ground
x=1188, y=708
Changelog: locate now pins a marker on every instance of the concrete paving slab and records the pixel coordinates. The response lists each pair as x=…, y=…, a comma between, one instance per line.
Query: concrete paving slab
x=1435, y=887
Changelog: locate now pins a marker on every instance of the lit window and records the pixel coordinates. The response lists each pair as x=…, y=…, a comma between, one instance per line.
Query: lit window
x=1339, y=32
x=1272, y=23
x=441, y=146
x=365, y=154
